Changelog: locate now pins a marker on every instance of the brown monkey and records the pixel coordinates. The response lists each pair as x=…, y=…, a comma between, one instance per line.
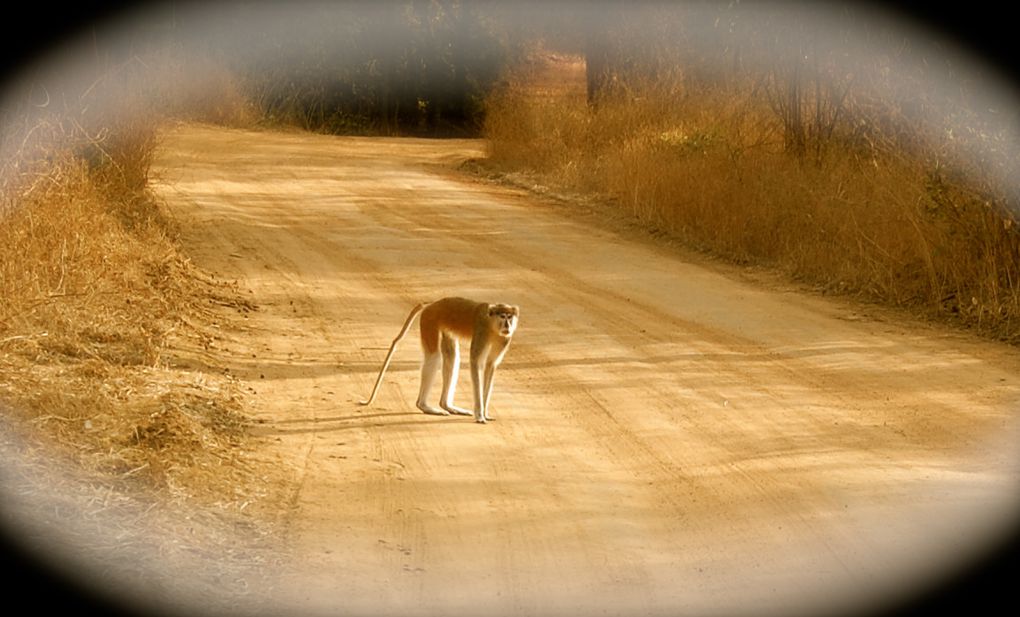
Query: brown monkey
x=443, y=322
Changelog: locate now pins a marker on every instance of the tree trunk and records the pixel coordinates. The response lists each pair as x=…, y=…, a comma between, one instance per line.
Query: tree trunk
x=597, y=52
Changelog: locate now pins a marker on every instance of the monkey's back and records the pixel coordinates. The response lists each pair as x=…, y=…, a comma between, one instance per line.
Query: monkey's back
x=456, y=316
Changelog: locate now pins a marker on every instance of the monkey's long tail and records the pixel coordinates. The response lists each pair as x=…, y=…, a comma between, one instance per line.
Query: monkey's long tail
x=407, y=325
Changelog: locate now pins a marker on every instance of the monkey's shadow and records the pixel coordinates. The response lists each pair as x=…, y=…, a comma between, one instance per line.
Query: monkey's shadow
x=333, y=424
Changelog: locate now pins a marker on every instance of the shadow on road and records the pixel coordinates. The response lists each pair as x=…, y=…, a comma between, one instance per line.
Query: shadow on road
x=342, y=423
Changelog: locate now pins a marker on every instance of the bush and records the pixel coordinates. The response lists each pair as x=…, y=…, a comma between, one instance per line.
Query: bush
x=711, y=164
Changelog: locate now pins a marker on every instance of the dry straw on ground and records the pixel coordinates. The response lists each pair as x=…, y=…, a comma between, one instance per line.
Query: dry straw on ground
x=121, y=435
x=93, y=290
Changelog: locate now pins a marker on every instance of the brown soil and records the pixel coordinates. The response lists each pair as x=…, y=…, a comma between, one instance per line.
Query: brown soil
x=671, y=436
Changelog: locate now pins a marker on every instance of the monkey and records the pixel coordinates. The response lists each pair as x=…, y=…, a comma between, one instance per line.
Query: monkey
x=443, y=323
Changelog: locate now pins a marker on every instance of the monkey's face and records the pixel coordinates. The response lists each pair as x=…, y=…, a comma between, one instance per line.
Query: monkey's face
x=504, y=318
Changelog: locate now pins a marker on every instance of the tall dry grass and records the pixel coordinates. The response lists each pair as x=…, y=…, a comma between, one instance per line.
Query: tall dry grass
x=97, y=298
x=710, y=164
x=123, y=466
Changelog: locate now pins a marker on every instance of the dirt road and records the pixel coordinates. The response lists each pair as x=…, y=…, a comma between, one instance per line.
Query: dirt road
x=670, y=436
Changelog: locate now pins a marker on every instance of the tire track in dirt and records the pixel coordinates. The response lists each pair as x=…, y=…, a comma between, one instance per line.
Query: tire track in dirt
x=618, y=310
x=591, y=297
x=621, y=448
x=667, y=438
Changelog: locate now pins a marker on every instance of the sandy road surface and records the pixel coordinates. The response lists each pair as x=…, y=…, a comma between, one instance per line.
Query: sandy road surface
x=669, y=436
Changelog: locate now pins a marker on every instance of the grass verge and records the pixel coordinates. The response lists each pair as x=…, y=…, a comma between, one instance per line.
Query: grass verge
x=708, y=165
x=118, y=462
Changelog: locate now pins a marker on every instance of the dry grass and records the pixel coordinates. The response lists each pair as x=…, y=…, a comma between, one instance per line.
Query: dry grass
x=708, y=165
x=93, y=289
x=91, y=310
x=95, y=295
x=116, y=462
x=114, y=453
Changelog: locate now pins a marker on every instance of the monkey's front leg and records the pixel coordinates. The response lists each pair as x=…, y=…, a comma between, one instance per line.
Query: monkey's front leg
x=490, y=373
x=478, y=381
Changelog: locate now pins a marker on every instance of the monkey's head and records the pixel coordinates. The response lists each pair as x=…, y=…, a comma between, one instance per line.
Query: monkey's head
x=503, y=318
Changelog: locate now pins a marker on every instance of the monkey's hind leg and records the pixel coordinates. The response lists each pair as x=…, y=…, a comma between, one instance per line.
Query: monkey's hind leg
x=429, y=368
x=451, y=367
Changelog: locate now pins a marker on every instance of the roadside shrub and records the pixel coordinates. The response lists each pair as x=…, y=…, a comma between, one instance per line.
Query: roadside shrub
x=900, y=219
